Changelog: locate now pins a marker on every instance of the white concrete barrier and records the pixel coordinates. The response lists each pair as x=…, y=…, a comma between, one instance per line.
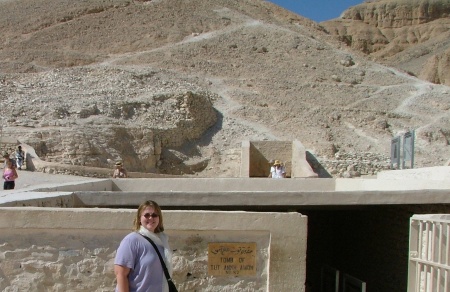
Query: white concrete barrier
x=64, y=249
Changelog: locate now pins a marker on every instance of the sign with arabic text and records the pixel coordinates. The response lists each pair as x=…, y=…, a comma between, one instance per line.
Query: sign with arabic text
x=232, y=259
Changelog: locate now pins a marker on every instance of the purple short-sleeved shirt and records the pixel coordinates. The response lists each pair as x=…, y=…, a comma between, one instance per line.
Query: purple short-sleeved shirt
x=136, y=253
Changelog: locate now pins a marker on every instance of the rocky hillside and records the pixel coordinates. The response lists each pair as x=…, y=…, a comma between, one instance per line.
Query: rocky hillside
x=175, y=87
x=412, y=35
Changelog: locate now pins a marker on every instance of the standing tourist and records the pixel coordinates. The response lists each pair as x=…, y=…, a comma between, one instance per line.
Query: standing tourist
x=9, y=175
x=120, y=171
x=20, y=157
x=137, y=265
x=277, y=170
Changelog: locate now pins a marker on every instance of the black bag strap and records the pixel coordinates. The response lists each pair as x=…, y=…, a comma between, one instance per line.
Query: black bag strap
x=166, y=272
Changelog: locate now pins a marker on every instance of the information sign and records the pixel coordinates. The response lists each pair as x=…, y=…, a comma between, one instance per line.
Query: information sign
x=232, y=259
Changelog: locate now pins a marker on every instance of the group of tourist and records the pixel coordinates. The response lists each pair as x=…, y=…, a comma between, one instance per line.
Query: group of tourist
x=143, y=261
x=10, y=167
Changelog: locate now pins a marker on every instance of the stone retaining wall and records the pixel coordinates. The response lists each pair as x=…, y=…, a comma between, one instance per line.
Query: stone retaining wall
x=348, y=165
x=8, y=145
x=49, y=249
x=34, y=163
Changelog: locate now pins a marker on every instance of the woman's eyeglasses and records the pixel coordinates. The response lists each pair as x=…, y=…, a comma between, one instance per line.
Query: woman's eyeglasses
x=148, y=215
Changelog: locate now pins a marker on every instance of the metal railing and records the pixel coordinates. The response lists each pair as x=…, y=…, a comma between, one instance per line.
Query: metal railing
x=429, y=253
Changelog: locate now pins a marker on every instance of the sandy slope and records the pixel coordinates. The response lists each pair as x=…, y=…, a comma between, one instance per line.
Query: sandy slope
x=274, y=76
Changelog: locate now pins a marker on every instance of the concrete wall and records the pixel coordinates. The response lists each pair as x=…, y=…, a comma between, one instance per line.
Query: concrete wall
x=262, y=152
x=245, y=159
x=228, y=192
x=181, y=184
x=257, y=158
x=49, y=249
x=300, y=165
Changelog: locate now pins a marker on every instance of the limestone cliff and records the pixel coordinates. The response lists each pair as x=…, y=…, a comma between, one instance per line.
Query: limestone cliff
x=398, y=13
x=411, y=35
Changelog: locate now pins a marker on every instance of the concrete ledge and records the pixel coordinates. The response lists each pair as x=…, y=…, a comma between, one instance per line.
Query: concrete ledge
x=252, y=200
x=223, y=184
x=215, y=200
x=391, y=184
x=98, y=185
x=426, y=173
x=38, y=199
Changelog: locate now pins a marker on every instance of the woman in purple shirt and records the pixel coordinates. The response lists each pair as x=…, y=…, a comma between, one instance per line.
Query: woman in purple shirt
x=137, y=266
x=9, y=175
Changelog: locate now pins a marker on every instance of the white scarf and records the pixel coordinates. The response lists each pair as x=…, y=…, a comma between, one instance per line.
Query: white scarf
x=161, y=239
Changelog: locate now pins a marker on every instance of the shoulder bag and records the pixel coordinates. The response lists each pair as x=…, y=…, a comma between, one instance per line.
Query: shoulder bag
x=172, y=287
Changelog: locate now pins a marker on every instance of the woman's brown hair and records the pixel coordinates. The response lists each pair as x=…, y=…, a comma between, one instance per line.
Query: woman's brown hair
x=137, y=219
